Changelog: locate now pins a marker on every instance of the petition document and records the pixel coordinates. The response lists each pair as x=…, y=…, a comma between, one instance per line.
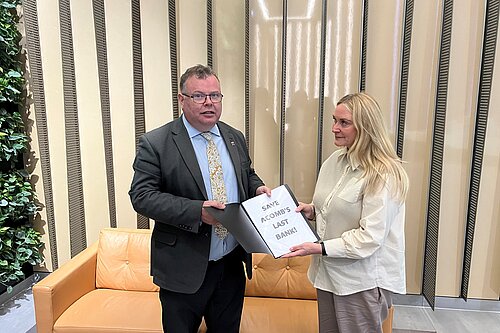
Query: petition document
x=267, y=224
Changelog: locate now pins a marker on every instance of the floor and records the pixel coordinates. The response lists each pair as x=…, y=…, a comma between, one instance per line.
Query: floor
x=17, y=316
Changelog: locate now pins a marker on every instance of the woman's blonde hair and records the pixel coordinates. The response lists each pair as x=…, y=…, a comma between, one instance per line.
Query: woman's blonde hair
x=372, y=147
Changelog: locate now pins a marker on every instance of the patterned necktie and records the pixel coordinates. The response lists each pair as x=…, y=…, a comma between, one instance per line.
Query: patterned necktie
x=216, y=179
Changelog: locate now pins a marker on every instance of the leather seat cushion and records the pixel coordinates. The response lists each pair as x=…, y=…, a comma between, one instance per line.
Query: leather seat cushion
x=106, y=310
x=263, y=314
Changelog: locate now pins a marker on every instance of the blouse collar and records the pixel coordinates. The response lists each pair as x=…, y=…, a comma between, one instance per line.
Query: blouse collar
x=353, y=162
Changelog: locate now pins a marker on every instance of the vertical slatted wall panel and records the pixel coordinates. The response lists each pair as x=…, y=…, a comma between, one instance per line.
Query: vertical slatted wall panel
x=210, y=46
x=405, y=65
x=319, y=148
x=38, y=89
x=434, y=199
x=247, y=72
x=102, y=67
x=364, y=46
x=283, y=92
x=78, y=238
x=139, y=116
x=486, y=76
x=172, y=30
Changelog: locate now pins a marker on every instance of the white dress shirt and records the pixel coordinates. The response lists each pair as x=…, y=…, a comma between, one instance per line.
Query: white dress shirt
x=363, y=234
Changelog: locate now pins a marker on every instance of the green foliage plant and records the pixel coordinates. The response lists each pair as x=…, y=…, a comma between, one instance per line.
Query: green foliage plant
x=13, y=141
x=19, y=246
x=16, y=197
x=20, y=243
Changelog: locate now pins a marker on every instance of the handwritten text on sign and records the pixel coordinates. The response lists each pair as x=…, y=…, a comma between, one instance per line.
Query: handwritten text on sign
x=274, y=215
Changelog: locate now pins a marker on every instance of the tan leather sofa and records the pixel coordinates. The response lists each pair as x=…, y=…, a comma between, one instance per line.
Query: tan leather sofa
x=107, y=288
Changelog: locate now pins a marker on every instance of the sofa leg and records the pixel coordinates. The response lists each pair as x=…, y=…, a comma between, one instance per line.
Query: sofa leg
x=387, y=324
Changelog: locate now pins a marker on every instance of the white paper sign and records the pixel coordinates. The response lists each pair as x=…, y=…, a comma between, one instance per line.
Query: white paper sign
x=277, y=222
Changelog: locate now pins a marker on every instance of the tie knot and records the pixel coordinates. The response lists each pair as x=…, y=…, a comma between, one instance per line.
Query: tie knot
x=207, y=136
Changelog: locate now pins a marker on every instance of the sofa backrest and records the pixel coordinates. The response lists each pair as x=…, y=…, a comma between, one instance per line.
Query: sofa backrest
x=282, y=278
x=123, y=263
x=123, y=260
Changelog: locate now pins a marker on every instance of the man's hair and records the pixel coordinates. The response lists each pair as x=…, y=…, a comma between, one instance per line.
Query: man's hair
x=198, y=71
x=372, y=147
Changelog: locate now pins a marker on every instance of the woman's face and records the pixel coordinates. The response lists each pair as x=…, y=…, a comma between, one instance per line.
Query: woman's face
x=343, y=127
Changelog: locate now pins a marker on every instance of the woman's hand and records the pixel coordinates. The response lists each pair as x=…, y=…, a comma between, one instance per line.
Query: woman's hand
x=307, y=209
x=303, y=249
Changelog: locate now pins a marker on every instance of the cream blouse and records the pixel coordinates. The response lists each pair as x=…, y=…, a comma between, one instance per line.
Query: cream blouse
x=363, y=234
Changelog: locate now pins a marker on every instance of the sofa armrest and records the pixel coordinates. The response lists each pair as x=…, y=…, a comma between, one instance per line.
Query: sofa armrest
x=55, y=293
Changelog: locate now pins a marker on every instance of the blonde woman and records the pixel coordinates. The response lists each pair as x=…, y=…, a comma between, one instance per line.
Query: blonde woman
x=358, y=205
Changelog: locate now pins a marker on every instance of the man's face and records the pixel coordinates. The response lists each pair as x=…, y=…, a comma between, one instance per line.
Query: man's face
x=201, y=116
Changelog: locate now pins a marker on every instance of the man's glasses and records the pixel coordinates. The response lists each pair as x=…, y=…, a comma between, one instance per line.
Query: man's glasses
x=201, y=98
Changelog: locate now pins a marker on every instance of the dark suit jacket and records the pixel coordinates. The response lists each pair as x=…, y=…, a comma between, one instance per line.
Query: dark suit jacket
x=168, y=187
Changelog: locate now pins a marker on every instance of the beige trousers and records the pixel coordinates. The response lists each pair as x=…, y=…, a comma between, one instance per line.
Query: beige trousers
x=362, y=312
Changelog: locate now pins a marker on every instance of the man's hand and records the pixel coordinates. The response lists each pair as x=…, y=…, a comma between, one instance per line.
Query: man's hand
x=263, y=189
x=205, y=216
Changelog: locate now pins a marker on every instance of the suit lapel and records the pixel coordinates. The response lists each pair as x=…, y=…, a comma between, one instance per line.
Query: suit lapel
x=183, y=143
x=230, y=142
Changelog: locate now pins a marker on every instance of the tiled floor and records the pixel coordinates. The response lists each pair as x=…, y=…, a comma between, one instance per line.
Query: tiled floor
x=446, y=320
x=17, y=316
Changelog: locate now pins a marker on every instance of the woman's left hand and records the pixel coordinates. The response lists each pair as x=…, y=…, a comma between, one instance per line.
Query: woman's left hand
x=303, y=249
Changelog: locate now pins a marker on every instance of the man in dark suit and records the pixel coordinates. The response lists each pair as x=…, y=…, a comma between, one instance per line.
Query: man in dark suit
x=199, y=270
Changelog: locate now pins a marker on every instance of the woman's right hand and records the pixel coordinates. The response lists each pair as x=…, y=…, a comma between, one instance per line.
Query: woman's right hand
x=307, y=209
x=304, y=249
